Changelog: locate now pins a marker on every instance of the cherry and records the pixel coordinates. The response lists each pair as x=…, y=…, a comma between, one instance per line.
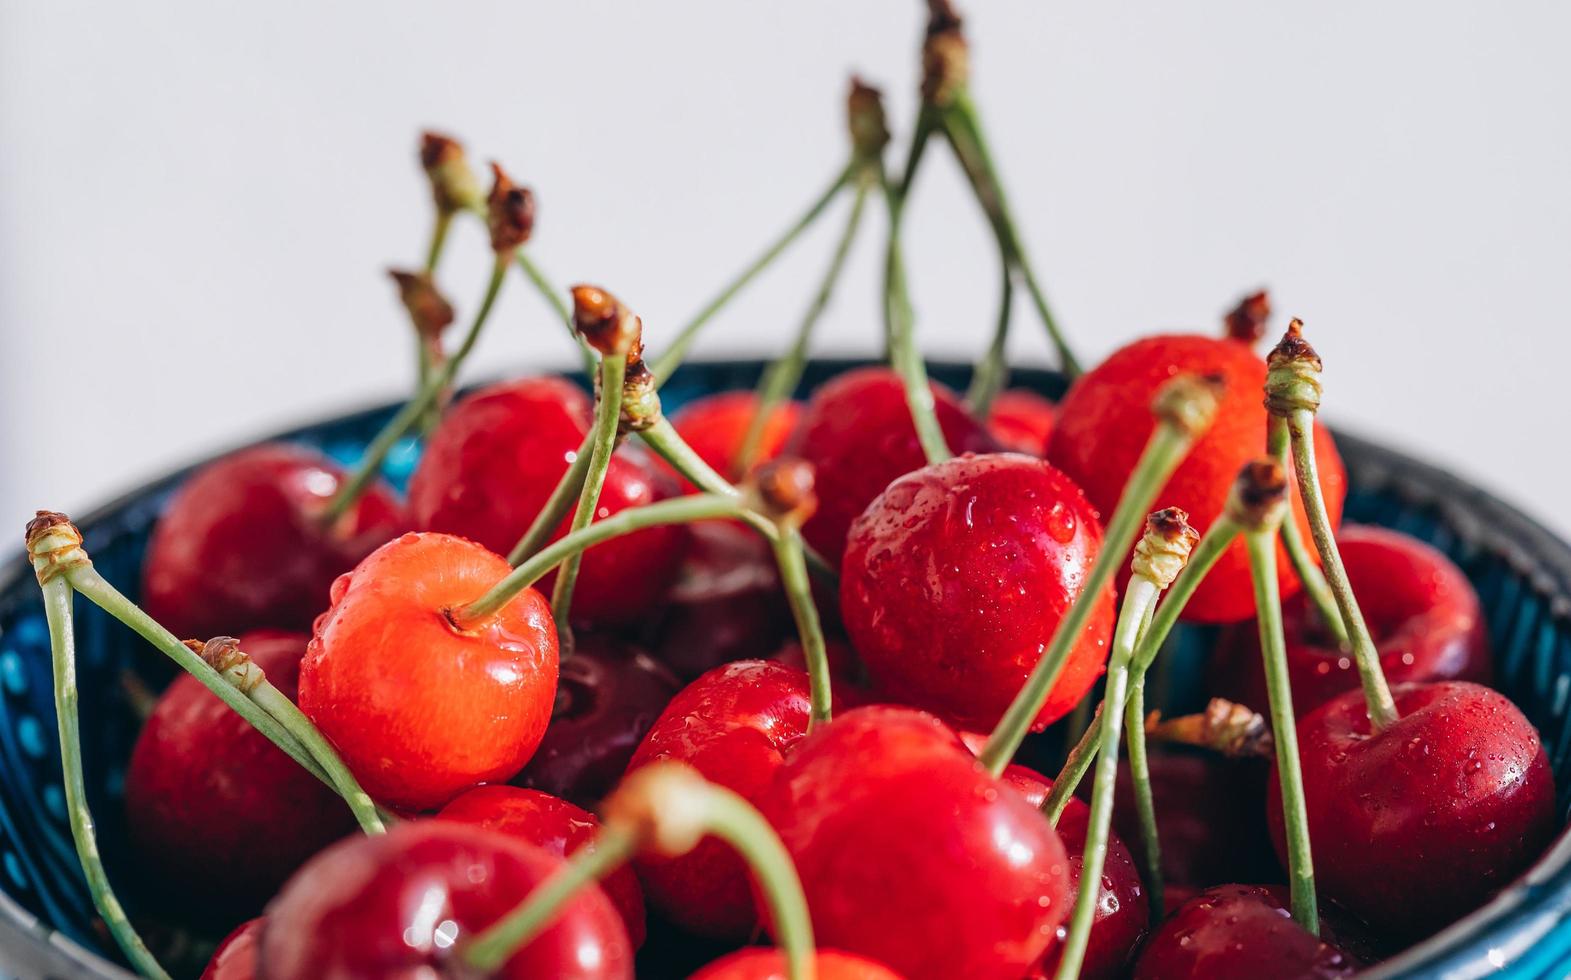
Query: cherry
x=235, y=957
x=1422, y=612
x=221, y=814
x=733, y=725
x=1242, y=932
x=1422, y=821
x=419, y=709
x=491, y=465
x=715, y=425
x=608, y=695
x=1103, y=425
x=957, y=575
x=857, y=432
x=241, y=545
x=404, y=904
x=911, y=854
x=843, y=664
x=770, y=964
x=554, y=825
x=1022, y=421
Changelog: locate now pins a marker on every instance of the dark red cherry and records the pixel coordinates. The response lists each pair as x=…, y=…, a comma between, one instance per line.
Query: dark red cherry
x=1420, y=823
x=770, y=964
x=911, y=854
x=1105, y=420
x=715, y=425
x=733, y=725
x=419, y=709
x=1242, y=932
x=554, y=825
x=608, y=695
x=241, y=545
x=1022, y=421
x=857, y=433
x=235, y=957
x=402, y=904
x=491, y=465
x=221, y=816
x=956, y=577
x=1420, y=608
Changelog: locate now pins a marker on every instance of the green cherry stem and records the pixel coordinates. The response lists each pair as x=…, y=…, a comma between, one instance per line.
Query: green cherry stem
x=1279, y=445
x=992, y=371
x=900, y=327
x=553, y=296
x=783, y=489
x=1145, y=802
x=556, y=506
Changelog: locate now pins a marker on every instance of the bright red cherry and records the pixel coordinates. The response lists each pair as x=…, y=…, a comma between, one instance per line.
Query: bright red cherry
x=1022, y=421
x=241, y=545
x=221, y=816
x=957, y=575
x=726, y=603
x=554, y=825
x=1242, y=932
x=419, y=709
x=911, y=854
x=733, y=725
x=1423, y=821
x=235, y=957
x=402, y=904
x=770, y=964
x=1105, y=420
x=715, y=425
x=491, y=465
x=1420, y=608
x=857, y=433
x=609, y=694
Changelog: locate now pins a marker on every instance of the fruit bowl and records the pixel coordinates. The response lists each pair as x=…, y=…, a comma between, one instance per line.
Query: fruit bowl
x=47, y=923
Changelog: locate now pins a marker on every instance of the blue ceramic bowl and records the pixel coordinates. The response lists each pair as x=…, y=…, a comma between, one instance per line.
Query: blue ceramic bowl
x=47, y=923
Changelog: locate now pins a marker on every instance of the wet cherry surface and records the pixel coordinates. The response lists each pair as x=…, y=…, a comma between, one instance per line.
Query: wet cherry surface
x=770, y=964
x=715, y=425
x=1242, y=932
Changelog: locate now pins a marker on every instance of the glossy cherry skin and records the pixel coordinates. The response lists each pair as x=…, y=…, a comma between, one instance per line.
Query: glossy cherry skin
x=857, y=432
x=1121, y=908
x=1420, y=608
x=609, y=694
x=554, y=825
x=911, y=854
x=235, y=957
x=220, y=816
x=1423, y=822
x=956, y=577
x=770, y=964
x=241, y=545
x=402, y=903
x=715, y=425
x=491, y=465
x=1105, y=421
x=419, y=709
x=733, y=725
x=1241, y=932
x=1022, y=421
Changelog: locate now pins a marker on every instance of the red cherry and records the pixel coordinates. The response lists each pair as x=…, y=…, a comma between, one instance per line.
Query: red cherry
x=843, y=664
x=955, y=578
x=221, y=815
x=553, y=825
x=1121, y=908
x=1022, y=421
x=715, y=425
x=419, y=709
x=607, y=697
x=235, y=957
x=491, y=465
x=1242, y=932
x=1420, y=608
x=857, y=433
x=402, y=904
x=241, y=545
x=1105, y=421
x=1423, y=821
x=733, y=725
x=770, y=964
x=910, y=853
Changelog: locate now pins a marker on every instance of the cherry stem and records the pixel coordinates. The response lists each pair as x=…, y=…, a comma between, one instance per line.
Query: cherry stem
x=376, y=453
x=1145, y=802
x=62, y=644
x=286, y=713
x=663, y=366
x=1140, y=596
x=788, y=548
x=556, y=506
x=1279, y=445
x=554, y=297
x=1261, y=544
x=428, y=351
x=899, y=323
x=677, y=510
x=992, y=371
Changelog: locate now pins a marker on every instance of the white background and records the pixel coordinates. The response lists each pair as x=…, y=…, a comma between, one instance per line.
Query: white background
x=197, y=200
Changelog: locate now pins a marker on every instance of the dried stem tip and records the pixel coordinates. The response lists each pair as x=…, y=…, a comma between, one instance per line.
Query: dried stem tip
x=54, y=544
x=1226, y=727
x=784, y=488
x=946, y=58
x=453, y=184
x=1292, y=374
x=510, y=213
x=865, y=117
x=1258, y=501
x=1189, y=402
x=429, y=310
x=1247, y=321
x=223, y=654
x=1162, y=551
x=662, y=805
x=605, y=323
